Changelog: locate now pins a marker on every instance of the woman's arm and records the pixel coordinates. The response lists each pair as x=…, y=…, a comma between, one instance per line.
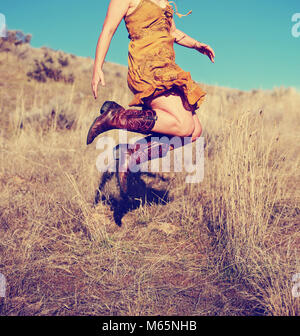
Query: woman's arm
x=116, y=11
x=184, y=40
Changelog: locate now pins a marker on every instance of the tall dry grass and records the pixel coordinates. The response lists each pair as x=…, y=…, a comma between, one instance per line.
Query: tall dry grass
x=226, y=246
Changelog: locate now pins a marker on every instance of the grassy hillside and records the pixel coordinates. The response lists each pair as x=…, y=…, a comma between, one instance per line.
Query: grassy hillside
x=226, y=246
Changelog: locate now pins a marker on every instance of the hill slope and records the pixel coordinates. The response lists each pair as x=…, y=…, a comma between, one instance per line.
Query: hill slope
x=226, y=246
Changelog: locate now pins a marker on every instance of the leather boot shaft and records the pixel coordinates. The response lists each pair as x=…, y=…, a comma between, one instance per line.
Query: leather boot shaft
x=130, y=156
x=114, y=116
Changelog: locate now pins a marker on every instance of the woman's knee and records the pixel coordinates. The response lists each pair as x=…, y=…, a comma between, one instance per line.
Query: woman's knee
x=182, y=119
x=197, y=130
x=186, y=126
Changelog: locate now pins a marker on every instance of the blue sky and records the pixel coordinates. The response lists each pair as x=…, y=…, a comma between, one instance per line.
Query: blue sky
x=252, y=39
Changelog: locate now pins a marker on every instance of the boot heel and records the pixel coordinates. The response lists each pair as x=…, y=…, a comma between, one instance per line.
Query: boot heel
x=109, y=105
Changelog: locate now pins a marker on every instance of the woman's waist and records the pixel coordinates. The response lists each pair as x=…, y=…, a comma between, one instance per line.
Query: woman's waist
x=138, y=53
x=147, y=34
x=155, y=55
x=148, y=45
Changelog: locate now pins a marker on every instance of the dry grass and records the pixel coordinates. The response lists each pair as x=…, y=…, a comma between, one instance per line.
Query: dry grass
x=226, y=246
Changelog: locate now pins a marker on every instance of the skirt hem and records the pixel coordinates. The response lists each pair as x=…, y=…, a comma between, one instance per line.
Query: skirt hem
x=192, y=94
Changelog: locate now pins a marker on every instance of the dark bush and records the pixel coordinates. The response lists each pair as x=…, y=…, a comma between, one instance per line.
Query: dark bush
x=63, y=61
x=46, y=69
x=14, y=37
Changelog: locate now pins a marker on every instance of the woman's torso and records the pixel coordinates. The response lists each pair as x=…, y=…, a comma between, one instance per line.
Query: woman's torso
x=149, y=25
x=151, y=55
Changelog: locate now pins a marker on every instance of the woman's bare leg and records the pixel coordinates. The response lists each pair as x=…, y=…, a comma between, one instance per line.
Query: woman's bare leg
x=173, y=118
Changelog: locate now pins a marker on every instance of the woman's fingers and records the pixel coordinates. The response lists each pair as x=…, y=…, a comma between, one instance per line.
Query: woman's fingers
x=95, y=89
x=211, y=50
x=208, y=51
x=212, y=56
x=102, y=79
x=97, y=78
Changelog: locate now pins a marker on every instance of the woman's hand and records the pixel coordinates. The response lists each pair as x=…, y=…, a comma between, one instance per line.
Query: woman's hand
x=205, y=50
x=98, y=77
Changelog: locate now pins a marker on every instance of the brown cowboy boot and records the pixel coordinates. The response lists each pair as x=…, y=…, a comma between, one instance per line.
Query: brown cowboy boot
x=142, y=152
x=137, y=154
x=114, y=116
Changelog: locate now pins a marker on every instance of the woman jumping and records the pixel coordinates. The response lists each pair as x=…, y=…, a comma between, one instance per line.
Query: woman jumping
x=167, y=95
